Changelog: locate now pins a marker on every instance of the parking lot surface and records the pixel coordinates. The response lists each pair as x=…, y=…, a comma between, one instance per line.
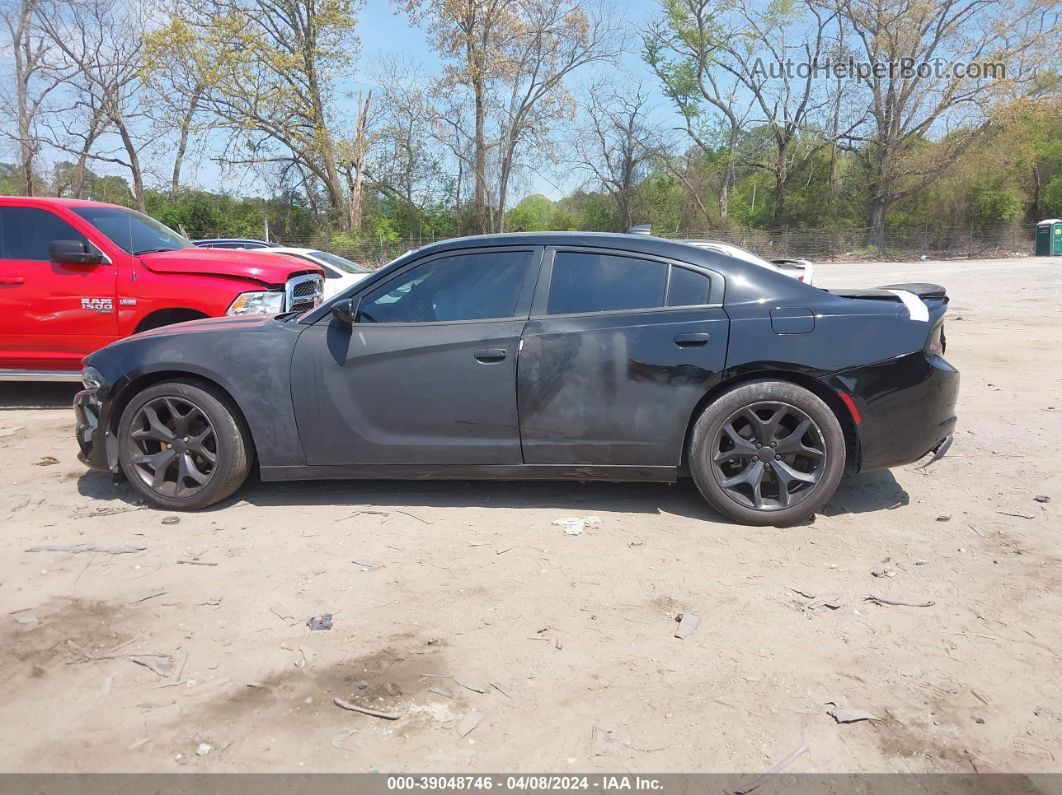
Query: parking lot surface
x=493, y=641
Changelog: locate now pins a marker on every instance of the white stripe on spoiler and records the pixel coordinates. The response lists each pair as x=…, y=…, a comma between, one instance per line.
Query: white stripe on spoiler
x=915, y=307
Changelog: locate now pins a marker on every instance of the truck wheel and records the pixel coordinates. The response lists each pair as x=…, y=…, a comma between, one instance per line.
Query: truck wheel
x=183, y=445
x=767, y=453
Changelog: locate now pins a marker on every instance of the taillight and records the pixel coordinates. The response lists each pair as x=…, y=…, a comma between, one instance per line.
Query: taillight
x=937, y=342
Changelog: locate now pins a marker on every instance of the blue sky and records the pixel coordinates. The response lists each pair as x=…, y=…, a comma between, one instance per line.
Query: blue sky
x=385, y=31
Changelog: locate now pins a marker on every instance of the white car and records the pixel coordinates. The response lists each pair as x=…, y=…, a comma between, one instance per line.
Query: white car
x=800, y=269
x=340, y=273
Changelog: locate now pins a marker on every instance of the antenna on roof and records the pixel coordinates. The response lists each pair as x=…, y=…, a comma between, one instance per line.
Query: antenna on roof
x=641, y=229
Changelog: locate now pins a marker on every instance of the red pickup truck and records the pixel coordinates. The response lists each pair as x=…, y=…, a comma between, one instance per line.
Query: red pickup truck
x=77, y=275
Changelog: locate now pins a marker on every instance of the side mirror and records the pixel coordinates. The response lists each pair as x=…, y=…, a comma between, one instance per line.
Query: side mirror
x=346, y=311
x=73, y=252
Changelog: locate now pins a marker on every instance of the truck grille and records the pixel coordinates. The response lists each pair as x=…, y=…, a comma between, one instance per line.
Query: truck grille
x=303, y=292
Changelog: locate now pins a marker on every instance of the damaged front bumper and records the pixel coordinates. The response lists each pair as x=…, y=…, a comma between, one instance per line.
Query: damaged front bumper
x=99, y=448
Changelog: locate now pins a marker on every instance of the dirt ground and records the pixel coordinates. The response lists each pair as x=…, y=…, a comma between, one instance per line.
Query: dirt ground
x=454, y=602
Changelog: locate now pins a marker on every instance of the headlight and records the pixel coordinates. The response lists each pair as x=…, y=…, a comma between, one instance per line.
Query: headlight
x=91, y=378
x=266, y=302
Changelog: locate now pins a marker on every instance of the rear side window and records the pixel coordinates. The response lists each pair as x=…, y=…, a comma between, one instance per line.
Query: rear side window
x=591, y=282
x=688, y=288
x=28, y=233
x=475, y=286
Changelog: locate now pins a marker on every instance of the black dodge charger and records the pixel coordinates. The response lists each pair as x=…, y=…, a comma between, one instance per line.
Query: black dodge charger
x=553, y=355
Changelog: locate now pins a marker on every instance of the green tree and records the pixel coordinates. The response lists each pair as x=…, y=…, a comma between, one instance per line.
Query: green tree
x=996, y=205
x=533, y=214
x=1051, y=198
x=268, y=71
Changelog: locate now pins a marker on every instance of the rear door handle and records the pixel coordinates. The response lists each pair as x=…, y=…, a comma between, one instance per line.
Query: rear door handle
x=488, y=355
x=692, y=340
x=13, y=281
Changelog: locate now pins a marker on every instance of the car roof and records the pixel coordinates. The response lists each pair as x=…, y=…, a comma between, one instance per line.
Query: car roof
x=16, y=200
x=646, y=244
x=746, y=282
x=292, y=250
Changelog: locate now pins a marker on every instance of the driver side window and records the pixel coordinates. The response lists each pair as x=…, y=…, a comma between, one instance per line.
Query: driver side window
x=475, y=286
x=28, y=233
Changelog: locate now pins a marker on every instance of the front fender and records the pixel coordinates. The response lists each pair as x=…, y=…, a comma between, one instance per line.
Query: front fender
x=250, y=361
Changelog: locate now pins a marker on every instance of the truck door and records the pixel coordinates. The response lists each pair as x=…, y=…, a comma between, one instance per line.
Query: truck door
x=51, y=314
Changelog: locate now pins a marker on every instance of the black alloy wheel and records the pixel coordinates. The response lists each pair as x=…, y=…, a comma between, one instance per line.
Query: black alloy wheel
x=767, y=452
x=769, y=456
x=183, y=444
x=172, y=446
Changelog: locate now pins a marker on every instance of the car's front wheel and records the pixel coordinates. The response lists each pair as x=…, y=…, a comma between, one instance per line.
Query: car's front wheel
x=767, y=453
x=183, y=445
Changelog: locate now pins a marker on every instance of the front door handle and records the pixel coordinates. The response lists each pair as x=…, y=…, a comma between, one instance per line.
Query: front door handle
x=15, y=280
x=692, y=340
x=488, y=355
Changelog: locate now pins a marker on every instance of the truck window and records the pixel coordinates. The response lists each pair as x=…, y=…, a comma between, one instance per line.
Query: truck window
x=132, y=232
x=29, y=231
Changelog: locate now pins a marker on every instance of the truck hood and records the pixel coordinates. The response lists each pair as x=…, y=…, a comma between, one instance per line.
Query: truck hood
x=270, y=269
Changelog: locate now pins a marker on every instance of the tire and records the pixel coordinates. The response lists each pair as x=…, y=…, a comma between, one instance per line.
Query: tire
x=747, y=463
x=176, y=427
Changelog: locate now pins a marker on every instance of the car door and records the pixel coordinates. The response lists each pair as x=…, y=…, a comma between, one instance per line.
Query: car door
x=51, y=314
x=618, y=351
x=427, y=373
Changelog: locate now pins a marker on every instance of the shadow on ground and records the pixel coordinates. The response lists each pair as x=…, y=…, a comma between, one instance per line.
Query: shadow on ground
x=19, y=395
x=863, y=493
x=857, y=494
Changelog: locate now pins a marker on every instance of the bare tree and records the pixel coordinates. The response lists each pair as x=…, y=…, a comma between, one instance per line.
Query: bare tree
x=354, y=164
x=552, y=39
x=616, y=142
x=33, y=78
x=406, y=161
x=452, y=131
x=267, y=71
x=472, y=36
x=955, y=52
x=684, y=49
x=776, y=53
x=86, y=141
x=102, y=45
x=179, y=75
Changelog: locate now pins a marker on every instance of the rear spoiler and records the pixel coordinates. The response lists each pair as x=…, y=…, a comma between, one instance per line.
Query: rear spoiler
x=920, y=298
x=923, y=290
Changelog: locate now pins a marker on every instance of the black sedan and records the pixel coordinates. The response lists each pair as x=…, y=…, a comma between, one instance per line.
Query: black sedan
x=553, y=355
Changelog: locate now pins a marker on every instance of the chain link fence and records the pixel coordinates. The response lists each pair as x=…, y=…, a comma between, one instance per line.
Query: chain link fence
x=909, y=242
x=895, y=243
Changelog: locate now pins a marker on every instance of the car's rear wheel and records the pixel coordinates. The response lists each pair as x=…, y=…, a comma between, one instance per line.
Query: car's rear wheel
x=183, y=445
x=767, y=453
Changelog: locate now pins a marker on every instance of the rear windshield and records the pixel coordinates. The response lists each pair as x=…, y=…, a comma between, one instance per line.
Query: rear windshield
x=344, y=265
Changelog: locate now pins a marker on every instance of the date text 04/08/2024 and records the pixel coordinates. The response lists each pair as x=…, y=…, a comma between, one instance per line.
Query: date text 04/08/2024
x=536, y=783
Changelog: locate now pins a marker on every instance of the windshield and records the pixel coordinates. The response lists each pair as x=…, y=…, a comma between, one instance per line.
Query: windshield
x=344, y=265
x=132, y=232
